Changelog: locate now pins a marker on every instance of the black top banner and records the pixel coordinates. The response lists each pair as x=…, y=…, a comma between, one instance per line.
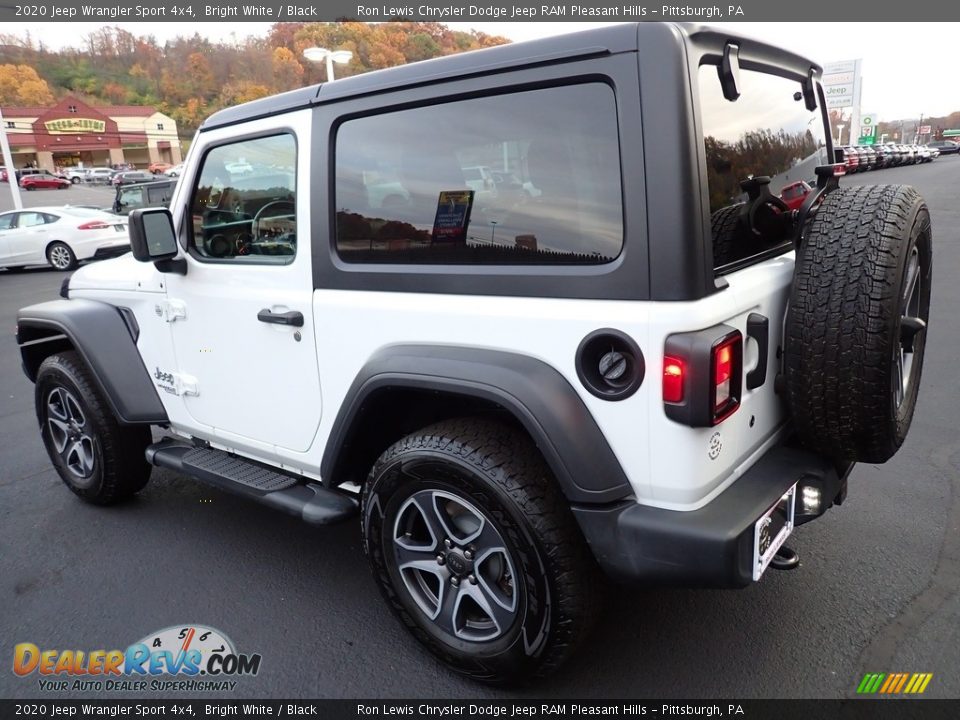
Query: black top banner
x=478, y=11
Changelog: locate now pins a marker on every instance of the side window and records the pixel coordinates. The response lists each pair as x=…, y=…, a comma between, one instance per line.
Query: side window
x=158, y=196
x=131, y=198
x=31, y=219
x=6, y=221
x=766, y=133
x=243, y=206
x=523, y=178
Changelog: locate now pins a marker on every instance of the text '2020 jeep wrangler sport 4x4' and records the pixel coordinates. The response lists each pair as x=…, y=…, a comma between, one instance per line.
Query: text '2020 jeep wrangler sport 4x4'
x=622, y=353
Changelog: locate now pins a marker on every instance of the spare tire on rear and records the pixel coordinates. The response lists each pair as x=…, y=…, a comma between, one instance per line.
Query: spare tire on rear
x=856, y=324
x=725, y=229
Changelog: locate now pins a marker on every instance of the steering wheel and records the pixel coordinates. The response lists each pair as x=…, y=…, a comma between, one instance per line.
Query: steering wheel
x=287, y=207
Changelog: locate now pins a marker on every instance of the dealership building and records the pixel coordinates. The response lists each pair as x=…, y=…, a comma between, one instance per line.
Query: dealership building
x=75, y=134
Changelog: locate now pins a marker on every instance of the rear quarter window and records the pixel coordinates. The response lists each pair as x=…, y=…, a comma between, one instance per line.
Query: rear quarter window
x=530, y=177
x=766, y=132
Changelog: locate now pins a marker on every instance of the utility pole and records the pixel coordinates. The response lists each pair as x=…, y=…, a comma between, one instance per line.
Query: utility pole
x=8, y=161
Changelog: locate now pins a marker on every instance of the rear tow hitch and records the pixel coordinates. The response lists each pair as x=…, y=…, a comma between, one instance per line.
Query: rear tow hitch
x=785, y=559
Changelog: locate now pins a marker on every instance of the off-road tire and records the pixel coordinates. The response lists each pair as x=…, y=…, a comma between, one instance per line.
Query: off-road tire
x=845, y=322
x=496, y=469
x=119, y=468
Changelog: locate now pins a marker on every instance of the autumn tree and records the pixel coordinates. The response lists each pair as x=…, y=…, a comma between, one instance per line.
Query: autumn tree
x=381, y=45
x=199, y=80
x=241, y=92
x=287, y=71
x=189, y=115
x=191, y=76
x=20, y=85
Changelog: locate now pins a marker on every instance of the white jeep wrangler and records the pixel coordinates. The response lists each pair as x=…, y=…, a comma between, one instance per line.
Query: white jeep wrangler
x=629, y=357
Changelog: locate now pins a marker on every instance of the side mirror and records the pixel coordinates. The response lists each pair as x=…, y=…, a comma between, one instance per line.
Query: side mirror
x=152, y=236
x=152, y=239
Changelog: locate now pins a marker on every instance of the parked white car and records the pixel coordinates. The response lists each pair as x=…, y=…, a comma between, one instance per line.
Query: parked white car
x=98, y=175
x=73, y=174
x=241, y=167
x=174, y=171
x=60, y=236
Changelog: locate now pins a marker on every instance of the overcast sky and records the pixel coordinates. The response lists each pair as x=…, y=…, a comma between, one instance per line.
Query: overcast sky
x=907, y=67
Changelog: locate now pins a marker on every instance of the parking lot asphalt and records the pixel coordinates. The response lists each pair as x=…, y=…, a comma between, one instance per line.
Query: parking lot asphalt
x=80, y=194
x=878, y=589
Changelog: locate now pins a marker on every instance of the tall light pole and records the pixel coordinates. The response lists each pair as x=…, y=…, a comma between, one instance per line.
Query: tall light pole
x=8, y=162
x=341, y=57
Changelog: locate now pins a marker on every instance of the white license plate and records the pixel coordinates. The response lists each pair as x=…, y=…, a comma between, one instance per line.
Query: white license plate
x=120, y=228
x=771, y=530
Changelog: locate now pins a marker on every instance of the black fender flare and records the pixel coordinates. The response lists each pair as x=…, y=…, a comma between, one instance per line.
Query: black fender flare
x=536, y=394
x=105, y=337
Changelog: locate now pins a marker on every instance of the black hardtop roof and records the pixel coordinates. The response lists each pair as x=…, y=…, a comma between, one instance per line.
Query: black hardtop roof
x=611, y=39
x=150, y=183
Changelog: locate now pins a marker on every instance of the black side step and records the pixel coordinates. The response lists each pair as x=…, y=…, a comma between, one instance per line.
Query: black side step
x=308, y=500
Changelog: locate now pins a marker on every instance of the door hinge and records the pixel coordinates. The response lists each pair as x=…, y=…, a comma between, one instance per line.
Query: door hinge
x=185, y=384
x=176, y=383
x=171, y=310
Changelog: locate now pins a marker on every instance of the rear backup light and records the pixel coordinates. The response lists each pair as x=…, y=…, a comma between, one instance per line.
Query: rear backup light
x=723, y=369
x=93, y=225
x=727, y=365
x=672, y=379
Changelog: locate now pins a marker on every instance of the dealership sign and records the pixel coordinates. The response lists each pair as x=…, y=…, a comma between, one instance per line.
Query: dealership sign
x=75, y=125
x=840, y=82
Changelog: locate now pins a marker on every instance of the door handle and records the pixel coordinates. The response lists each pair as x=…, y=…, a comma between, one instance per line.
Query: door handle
x=292, y=317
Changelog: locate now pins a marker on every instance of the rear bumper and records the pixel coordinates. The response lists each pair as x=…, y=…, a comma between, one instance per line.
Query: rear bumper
x=712, y=546
x=102, y=244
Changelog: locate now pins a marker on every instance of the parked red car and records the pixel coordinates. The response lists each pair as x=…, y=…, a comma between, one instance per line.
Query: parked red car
x=795, y=193
x=852, y=158
x=43, y=179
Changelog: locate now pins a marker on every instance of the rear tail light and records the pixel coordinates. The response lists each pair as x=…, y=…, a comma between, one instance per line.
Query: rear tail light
x=703, y=375
x=94, y=225
x=672, y=379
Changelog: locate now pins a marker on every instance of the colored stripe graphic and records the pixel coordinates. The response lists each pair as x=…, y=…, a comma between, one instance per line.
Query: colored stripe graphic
x=903, y=680
x=894, y=683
